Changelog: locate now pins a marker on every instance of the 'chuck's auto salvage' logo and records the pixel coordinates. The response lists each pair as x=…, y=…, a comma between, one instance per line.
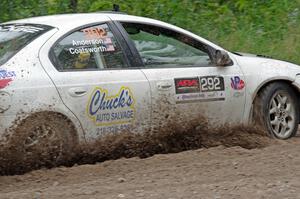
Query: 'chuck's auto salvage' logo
x=105, y=109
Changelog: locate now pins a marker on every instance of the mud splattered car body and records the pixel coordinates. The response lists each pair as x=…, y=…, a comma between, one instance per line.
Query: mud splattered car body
x=108, y=72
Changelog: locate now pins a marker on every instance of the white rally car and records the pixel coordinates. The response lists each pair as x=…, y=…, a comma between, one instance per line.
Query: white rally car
x=69, y=79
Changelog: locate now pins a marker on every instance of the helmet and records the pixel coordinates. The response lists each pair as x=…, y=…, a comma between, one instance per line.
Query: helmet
x=82, y=60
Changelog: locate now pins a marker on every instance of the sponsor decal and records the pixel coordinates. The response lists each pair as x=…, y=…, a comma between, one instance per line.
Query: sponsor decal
x=237, y=83
x=6, y=77
x=113, y=129
x=187, y=85
x=106, y=109
x=20, y=28
x=195, y=89
x=238, y=94
x=200, y=97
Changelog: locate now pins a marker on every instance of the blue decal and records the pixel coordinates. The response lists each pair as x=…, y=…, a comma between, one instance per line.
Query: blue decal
x=4, y=74
x=237, y=83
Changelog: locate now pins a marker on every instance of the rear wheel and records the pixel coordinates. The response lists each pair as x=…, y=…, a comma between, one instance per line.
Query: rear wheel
x=44, y=139
x=276, y=108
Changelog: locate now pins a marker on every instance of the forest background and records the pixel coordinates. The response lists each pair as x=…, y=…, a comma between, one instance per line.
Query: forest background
x=267, y=27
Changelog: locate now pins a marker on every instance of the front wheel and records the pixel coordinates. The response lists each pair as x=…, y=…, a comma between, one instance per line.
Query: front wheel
x=276, y=108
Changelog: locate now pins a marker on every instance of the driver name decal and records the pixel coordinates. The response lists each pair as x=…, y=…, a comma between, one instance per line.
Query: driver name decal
x=106, y=108
x=92, y=46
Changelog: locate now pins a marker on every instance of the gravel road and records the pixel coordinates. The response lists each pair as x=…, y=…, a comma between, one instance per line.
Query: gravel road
x=217, y=172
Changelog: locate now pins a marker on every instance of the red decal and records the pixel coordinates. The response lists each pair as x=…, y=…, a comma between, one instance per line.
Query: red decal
x=187, y=83
x=242, y=84
x=4, y=82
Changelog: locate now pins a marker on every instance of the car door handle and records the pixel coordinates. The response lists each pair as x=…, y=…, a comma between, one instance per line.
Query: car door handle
x=77, y=92
x=164, y=86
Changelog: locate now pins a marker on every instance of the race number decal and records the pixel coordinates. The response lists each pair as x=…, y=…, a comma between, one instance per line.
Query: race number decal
x=211, y=83
x=199, y=89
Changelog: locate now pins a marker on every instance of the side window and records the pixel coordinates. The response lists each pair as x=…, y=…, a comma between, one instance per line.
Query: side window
x=160, y=47
x=89, y=48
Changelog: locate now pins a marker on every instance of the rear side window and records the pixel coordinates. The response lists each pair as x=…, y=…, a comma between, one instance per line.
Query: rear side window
x=13, y=37
x=93, y=47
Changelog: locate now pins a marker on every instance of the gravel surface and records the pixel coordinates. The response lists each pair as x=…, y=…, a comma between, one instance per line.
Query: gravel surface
x=217, y=172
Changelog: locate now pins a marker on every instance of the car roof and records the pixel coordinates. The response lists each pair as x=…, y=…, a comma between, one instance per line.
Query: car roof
x=77, y=19
x=62, y=20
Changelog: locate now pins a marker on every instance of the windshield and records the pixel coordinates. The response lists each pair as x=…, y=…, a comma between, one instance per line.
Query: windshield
x=13, y=37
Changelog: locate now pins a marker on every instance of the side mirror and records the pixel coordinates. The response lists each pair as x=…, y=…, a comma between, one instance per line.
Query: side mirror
x=222, y=58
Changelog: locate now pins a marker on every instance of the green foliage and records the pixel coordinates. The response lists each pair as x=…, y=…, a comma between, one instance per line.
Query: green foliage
x=259, y=26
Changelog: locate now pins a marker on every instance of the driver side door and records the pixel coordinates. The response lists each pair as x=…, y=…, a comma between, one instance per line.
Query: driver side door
x=185, y=83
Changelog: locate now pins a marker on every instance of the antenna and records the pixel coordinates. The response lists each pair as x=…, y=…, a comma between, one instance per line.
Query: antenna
x=116, y=8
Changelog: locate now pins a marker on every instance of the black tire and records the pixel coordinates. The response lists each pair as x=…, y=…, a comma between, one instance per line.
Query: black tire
x=45, y=139
x=276, y=109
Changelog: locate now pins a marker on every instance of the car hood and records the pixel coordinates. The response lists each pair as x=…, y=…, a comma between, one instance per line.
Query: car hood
x=265, y=66
x=250, y=55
